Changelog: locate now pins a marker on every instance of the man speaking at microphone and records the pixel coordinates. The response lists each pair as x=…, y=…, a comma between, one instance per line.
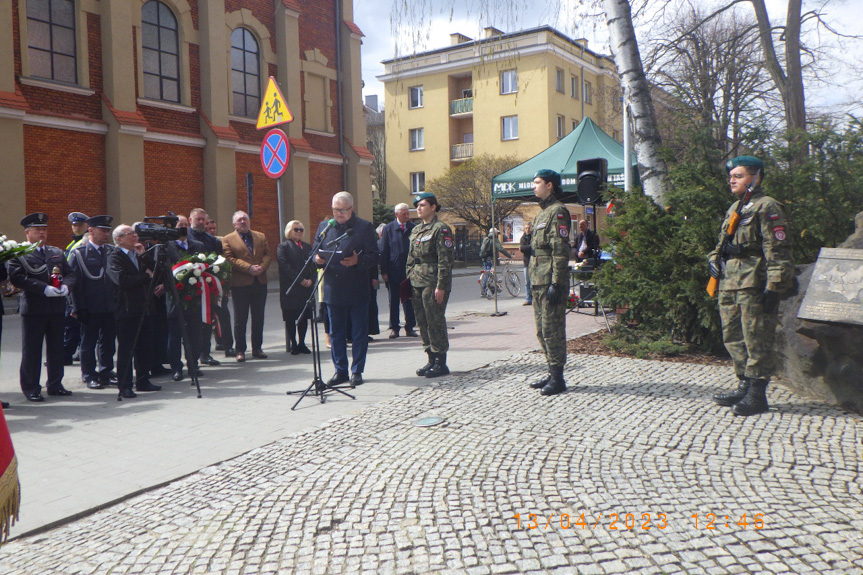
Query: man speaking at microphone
x=350, y=245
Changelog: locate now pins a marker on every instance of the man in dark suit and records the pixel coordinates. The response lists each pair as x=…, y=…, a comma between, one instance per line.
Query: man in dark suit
x=198, y=219
x=586, y=242
x=43, y=308
x=347, y=288
x=249, y=254
x=177, y=250
x=131, y=270
x=93, y=304
x=394, y=257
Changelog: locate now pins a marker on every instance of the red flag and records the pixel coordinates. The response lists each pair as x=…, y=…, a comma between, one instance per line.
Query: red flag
x=609, y=209
x=10, y=488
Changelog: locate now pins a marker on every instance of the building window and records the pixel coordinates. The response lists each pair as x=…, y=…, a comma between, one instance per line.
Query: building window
x=574, y=124
x=588, y=93
x=508, y=82
x=51, y=39
x=161, y=52
x=573, y=86
x=417, y=139
x=418, y=182
x=509, y=128
x=415, y=98
x=245, y=73
x=560, y=128
x=559, y=81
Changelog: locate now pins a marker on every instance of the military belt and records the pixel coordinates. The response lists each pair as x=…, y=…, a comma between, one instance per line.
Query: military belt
x=542, y=251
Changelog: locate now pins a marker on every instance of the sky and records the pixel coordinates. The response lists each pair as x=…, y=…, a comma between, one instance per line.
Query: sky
x=838, y=91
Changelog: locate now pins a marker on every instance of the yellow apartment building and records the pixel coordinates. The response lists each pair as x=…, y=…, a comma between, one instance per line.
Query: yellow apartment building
x=506, y=94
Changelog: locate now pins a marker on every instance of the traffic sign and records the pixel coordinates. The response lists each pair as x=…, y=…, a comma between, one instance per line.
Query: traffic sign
x=275, y=153
x=274, y=109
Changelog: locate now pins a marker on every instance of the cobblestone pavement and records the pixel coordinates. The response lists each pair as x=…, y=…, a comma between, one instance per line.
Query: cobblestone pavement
x=501, y=486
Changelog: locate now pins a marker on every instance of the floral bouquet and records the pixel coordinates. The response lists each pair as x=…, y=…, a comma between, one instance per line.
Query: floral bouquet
x=199, y=279
x=10, y=249
x=572, y=301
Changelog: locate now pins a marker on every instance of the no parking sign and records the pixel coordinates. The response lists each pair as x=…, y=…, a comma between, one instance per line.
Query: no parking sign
x=275, y=153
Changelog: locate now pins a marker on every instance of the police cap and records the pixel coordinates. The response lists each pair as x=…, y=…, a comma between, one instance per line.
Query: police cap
x=429, y=197
x=549, y=176
x=103, y=222
x=748, y=161
x=77, y=218
x=38, y=219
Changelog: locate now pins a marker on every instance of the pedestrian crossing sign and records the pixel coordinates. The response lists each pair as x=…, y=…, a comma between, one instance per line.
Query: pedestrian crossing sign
x=274, y=109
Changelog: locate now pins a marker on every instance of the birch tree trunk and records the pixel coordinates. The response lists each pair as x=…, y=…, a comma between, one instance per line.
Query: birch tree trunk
x=647, y=141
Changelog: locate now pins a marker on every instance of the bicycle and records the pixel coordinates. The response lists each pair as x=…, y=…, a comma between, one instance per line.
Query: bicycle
x=497, y=281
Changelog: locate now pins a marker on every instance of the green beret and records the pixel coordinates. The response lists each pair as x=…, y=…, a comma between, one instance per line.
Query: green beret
x=425, y=196
x=748, y=161
x=549, y=176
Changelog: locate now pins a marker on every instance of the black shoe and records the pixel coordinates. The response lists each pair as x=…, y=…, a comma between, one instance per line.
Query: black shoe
x=304, y=349
x=4, y=404
x=410, y=332
x=160, y=370
x=219, y=347
x=209, y=360
x=439, y=368
x=422, y=371
x=199, y=373
x=259, y=354
x=755, y=401
x=94, y=384
x=66, y=362
x=230, y=352
x=356, y=379
x=59, y=391
x=338, y=378
x=729, y=399
x=127, y=393
x=540, y=383
x=557, y=384
x=108, y=378
x=145, y=385
x=177, y=375
x=394, y=333
x=34, y=397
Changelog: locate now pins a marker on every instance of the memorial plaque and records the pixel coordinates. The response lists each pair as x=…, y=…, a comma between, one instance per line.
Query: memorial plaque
x=835, y=292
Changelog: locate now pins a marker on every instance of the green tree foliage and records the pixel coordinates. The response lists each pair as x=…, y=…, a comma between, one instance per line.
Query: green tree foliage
x=382, y=213
x=660, y=255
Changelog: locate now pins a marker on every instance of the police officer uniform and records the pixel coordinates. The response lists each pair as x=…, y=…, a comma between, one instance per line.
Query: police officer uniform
x=429, y=268
x=42, y=308
x=549, y=282
x=73, y=330
x=755, y=267
x=93, y=303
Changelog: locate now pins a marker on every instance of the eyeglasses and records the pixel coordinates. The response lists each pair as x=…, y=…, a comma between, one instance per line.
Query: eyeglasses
x=299, y=229
x=132, y=233
x=342, y=210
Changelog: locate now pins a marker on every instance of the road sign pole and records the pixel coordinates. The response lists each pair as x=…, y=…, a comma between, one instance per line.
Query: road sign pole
x=280, y=204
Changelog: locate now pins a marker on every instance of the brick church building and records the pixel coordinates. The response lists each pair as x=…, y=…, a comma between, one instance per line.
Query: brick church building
x=133, y=108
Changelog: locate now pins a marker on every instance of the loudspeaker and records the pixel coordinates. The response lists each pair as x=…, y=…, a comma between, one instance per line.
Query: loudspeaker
x=592, y=174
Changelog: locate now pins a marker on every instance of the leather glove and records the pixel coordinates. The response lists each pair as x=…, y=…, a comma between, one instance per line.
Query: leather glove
x=713, y=269
x=51, y=291
x=769, y=301
x=554, y=293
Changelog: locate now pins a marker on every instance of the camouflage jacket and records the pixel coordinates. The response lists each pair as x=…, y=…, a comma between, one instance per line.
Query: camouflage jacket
x=550, y=244
x=759, y=256
x=430, y=255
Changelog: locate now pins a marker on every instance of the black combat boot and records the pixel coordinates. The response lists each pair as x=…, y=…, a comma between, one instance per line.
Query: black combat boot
x=422, y=371
x=729, y=399
x=557, y=384
x=439, y=368
x=755, y=400
x=540, y=383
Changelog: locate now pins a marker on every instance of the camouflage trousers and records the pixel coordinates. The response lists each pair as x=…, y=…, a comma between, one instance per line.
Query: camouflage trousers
x=747, y=332
x=431, y=319
x=550, y=326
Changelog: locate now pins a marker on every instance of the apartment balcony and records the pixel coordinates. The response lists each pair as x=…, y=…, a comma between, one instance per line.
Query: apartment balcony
x=461, y=152
x=461, y=107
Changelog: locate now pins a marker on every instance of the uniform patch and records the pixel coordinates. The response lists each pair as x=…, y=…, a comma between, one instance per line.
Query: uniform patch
x=447, y=242
x=563, y=231
x=425, y=238
x=772, y=217
x=542, y=225
x=560, y=216
x=779, y=233
x=745, y=221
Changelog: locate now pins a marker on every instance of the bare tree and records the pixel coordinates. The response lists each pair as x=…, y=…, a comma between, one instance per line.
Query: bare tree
x=466, y=190
x=376, y=142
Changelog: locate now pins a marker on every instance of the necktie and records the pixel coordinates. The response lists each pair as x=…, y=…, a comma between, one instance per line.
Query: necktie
x=403, y=227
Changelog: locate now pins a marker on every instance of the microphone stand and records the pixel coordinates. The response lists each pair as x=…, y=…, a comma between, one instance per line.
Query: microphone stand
x=318, y=384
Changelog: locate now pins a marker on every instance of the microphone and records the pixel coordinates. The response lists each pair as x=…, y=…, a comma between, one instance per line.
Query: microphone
x=348, y=233
x=330, y=223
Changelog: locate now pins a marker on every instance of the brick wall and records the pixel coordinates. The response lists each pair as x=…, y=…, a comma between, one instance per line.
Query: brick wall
x=265, y=217
x=64, y=172
x=173, y=178
x=325, y=180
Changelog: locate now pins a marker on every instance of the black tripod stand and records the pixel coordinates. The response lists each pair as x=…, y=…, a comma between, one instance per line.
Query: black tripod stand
x=162, y=269
x=318, y=386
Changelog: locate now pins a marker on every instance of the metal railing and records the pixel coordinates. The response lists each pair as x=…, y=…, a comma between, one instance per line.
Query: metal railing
x=463, y=106
x=461, y=152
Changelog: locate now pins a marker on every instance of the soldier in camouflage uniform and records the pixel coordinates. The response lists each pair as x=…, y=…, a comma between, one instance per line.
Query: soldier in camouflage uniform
x=549, y=278
x=755, y=267
x=429, y=269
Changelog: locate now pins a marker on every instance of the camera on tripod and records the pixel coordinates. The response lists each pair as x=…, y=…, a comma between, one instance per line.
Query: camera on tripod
x=159, y=229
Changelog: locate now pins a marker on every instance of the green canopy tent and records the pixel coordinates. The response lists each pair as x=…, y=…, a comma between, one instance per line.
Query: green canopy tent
x=584, y=142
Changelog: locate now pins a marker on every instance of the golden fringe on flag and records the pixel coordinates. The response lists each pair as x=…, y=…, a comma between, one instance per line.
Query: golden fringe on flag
x=10, y=488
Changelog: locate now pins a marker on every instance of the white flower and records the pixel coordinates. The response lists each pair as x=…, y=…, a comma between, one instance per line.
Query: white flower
x=209, y=280
x=197, y=272
x=192, y=281
x=215, y=269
